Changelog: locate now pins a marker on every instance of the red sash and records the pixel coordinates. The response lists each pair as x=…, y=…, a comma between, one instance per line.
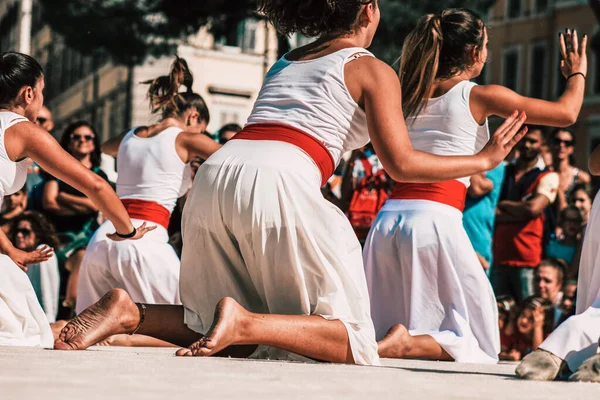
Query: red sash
x=147, y=210
x=288, y=134
x=452, y=193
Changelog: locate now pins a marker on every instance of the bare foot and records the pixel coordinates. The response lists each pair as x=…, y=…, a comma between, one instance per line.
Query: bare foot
x=57, y=327
x=224, y=332
x=396, y=343
x=113, y=314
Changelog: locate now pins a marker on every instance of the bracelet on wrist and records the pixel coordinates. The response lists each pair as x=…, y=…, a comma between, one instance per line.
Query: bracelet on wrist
x=128, y=235
x=575, y=74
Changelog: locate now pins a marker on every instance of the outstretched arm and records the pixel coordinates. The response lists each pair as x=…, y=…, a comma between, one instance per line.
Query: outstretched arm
x=498, y=100
x=190, y=144
x=389, y=134
x=111, y=146
x=28, y=140
x=23, y=258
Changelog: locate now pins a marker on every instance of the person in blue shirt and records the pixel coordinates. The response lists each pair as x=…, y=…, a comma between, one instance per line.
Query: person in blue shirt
x=480, y=212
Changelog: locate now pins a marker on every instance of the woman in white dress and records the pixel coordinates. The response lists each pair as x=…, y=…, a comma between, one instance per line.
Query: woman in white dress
x=153, y=173
x=430, y=298
x=22, y=320
x=268, y=265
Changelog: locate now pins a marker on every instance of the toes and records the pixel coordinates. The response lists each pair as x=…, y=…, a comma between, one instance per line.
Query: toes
x=60, y=345
x=184, y=353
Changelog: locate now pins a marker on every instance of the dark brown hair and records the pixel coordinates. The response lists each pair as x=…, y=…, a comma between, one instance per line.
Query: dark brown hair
x=439, y=47
x=16, y=71
x=165, y=96
x=43, y=229
x=313, y=17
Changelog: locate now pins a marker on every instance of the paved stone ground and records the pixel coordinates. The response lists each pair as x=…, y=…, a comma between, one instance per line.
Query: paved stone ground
x=123, y=373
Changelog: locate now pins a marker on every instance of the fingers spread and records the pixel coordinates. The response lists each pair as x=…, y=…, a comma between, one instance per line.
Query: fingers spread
x=562, y=45
x=575, y=41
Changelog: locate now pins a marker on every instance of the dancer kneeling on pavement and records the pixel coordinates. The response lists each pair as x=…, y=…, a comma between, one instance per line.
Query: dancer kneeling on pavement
x=430, y=298
x=281, y=264
x=21, y=84
x=573, y=346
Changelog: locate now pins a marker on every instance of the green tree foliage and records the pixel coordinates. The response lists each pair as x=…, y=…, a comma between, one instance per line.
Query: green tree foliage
x=130, y=30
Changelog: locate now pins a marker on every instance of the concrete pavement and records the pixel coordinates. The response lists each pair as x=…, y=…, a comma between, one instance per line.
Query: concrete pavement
x=124, y=373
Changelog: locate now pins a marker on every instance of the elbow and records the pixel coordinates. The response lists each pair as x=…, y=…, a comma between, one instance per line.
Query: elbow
x=570, y=118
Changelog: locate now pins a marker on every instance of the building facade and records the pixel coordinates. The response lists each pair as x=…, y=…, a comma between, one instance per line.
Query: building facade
x=524, y=56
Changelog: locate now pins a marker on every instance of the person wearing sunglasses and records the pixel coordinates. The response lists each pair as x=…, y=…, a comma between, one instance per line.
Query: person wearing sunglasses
x=562, y=146
x=74, y=216
x=30, y=231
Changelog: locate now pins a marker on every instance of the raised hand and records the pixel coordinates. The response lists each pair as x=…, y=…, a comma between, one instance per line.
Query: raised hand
x=140, y=232
x=24, y=258
x=573, y=54
x=504, y=139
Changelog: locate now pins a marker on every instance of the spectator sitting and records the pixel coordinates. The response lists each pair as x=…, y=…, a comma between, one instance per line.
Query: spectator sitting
x=582, y=197
x=227, y=132
x=31, y=230
x=569, y=299
x=74, y=216
x=549, y=277
x=562, y=145
x=565, y=246
x=520, y=220
x=15, y=204
x=532, y=326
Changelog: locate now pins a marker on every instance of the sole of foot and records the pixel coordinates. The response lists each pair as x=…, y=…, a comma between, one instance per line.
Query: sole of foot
x=589, y=371
x=540, y=365
x=396, y=343
x=114, y=313
x=223, y=333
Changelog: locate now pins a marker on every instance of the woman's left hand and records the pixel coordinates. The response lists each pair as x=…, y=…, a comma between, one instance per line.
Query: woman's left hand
x=25, y=258
x=139, y=233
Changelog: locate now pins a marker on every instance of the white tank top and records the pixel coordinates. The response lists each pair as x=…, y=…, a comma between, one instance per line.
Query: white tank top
x=150, y=169
x=311, y=95
x=12, y=174
x=446, y=127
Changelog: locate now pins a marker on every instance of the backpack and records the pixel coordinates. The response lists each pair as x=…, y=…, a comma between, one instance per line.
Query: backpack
x=367, y=199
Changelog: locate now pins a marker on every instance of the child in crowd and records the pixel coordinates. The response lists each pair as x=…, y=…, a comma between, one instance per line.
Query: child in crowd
x=565, y=246
x=525, y=333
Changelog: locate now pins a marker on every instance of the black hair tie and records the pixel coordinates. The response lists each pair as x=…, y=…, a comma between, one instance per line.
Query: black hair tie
x=128, y=235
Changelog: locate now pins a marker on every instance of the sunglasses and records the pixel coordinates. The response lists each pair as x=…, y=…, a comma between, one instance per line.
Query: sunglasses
x=83, y=138
x=42, y=120
x=23, y=231
x=558, y=142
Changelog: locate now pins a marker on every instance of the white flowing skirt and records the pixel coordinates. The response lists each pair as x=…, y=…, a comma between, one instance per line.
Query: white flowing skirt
x=576, y=339
x=257, y=228
x=147, y=268
x=423, y=273
x=22, y=320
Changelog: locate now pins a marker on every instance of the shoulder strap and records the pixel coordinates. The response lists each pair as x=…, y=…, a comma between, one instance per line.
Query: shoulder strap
x=15, y=121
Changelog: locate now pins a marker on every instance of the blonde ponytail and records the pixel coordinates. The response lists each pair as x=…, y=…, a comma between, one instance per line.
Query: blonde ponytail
x=419, y=63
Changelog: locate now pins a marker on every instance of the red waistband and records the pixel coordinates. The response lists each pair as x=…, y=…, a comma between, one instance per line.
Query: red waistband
x=147, y=210
x=452, y=193
x=288, y=134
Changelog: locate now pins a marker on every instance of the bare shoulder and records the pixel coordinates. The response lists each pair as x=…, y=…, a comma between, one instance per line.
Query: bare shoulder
x=584, y=177
x=370, y=72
